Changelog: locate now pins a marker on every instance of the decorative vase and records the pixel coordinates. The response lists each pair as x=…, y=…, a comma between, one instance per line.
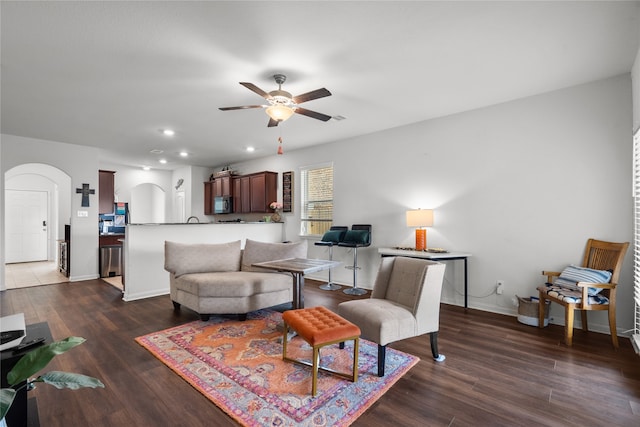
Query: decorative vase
x=275, y=217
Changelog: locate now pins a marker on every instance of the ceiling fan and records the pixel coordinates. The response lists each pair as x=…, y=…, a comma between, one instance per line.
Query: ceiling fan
x=281, y=104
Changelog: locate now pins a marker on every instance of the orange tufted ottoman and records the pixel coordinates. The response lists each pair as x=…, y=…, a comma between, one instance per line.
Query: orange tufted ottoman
x=320, y=327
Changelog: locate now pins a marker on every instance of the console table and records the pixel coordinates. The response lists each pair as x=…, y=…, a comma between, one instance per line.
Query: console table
x=17, y=415
x=433, y=256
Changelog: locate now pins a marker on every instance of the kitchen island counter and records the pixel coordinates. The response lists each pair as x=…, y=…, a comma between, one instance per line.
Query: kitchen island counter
x=144, y=249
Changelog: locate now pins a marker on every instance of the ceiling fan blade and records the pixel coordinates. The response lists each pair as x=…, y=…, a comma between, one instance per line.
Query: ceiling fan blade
x=273, y=123
x=314, y=94
x=312, y=114
x=256, y=89
x=243, y=107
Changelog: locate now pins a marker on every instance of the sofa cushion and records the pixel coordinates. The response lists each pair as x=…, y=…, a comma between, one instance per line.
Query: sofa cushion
x=255, y=251
x=184, y=258
x=237, y=284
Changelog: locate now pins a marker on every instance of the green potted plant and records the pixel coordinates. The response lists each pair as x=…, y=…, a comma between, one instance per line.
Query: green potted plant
x=33, y=362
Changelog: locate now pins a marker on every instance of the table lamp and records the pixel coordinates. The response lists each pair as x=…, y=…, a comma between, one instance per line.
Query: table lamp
x=420, y=218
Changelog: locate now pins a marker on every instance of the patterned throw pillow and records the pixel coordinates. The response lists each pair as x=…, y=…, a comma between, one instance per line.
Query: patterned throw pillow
x=571, y=275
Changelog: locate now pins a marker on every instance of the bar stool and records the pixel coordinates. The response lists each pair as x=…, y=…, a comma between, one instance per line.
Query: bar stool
x=358, y=237
x=332, y=237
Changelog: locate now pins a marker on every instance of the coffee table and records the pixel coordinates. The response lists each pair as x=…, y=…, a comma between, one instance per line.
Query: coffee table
x=298, y=267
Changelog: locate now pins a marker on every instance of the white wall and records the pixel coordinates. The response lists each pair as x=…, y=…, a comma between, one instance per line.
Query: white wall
x=81, y=164
x=521, y=185
x=147, y=204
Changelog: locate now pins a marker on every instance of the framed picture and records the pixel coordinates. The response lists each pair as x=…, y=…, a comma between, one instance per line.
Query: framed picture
x=287, y=191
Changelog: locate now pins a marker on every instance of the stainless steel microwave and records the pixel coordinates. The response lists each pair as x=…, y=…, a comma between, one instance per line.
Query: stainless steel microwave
x=222, y=205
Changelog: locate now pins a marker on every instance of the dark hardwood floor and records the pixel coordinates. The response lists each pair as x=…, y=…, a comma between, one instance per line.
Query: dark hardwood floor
x=498, y=372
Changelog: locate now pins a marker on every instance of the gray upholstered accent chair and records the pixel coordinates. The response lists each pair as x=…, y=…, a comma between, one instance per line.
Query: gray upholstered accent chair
x=405, y=303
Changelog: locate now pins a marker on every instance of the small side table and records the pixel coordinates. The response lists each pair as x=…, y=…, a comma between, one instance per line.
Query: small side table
x=21, y=414
x=298, y=267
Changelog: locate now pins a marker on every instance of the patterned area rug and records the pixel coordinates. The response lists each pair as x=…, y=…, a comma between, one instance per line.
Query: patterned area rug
x=239, y=367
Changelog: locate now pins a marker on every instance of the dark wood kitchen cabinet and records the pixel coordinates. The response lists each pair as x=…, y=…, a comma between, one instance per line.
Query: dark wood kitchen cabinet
x=245, y=194
x=237, y=194
x=209, y=195
x=251, y=193
x=222, y=186
x=264, y=190
x=218, y=187
x=106, y=188
x=254, y=192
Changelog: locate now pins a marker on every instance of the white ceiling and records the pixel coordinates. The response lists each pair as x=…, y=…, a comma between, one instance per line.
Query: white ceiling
x=112, y=74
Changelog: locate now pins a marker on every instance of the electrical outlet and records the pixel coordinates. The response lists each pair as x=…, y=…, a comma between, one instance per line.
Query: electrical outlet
x=499, y=287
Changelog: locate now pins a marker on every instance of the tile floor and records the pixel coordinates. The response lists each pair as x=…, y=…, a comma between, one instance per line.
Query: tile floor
x=26, y=274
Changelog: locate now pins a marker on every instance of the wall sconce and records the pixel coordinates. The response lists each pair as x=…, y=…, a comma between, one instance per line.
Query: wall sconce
x=420, y=218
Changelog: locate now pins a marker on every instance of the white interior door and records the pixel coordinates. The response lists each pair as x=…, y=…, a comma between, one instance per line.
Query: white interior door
x=26, y=226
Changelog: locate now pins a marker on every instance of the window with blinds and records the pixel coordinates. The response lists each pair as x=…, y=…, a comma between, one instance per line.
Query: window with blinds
x=316, y=210
x=635, y=338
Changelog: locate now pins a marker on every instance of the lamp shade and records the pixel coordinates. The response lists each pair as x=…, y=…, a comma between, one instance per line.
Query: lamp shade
x=279, y=112
x=420, y=218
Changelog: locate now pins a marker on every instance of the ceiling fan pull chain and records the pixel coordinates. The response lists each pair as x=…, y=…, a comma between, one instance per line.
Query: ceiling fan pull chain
x=280, y=151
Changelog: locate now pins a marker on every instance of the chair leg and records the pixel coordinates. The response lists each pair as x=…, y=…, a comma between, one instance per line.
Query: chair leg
x=568, y=324
x=612, y=326
x=314, y=374
x=583, y=316
x=542, y=302
x=433, y=337
x=382, y=353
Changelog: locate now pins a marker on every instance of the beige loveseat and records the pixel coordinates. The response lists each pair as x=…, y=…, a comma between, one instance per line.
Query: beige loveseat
x=219, y=279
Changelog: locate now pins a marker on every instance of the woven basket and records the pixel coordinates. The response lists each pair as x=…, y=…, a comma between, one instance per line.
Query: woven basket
x=528, y=311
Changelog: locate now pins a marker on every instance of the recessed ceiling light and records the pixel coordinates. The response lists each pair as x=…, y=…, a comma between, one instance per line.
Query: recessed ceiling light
x=163, y=161
x=168, y=132
x=251, y=149
x=156, y=151
x=146, y=168
x=184, y=154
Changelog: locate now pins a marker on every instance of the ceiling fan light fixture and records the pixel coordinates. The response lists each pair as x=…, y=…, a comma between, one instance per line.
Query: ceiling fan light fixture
x=279, y=112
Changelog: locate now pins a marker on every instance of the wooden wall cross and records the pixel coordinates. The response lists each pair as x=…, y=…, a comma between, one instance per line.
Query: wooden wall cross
x=85, y=190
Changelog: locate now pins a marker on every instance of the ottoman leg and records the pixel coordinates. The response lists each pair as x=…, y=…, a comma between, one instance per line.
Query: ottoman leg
x=314, y=373
x=284, y=340
x=355, y=359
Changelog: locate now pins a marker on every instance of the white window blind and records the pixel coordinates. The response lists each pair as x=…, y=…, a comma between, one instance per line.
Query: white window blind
x=316, y=210
x=635, y=338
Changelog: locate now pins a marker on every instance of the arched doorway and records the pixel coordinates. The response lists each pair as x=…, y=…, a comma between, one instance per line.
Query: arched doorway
x=37, y=207
x=147, y=204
